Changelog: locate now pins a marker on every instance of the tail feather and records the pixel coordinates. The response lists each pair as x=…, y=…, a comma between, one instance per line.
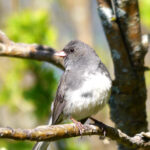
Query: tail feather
x=43, y=145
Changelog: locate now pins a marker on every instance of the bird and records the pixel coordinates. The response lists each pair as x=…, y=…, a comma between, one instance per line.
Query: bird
x=84, y=87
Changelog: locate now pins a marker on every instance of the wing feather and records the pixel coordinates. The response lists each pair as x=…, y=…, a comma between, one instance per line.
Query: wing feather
x=59, y=101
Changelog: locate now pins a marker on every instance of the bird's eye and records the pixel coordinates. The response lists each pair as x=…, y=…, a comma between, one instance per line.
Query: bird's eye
x=71, y=50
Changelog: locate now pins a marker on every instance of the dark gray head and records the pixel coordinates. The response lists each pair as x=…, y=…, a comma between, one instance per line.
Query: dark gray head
x=77, y=53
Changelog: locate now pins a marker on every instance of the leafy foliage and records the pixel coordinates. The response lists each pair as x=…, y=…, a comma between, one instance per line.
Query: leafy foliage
x=145, y=15
x=32, y=27
x=26, y=84
x=145, y=12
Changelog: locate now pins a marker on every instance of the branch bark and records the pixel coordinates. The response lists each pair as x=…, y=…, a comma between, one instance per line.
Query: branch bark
x=29, y=51
x=56, y=132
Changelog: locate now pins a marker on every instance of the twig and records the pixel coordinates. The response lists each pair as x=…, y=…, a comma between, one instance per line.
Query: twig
x=129, y=23
x=146, y=68
x=28, y=51
x=56, y=132
x=114, y=38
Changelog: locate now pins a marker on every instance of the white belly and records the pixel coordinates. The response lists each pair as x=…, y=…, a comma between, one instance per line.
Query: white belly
x=97, y=89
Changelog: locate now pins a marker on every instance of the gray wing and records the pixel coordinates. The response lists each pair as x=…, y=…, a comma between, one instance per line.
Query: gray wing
x=69, y=80
x=59, y=101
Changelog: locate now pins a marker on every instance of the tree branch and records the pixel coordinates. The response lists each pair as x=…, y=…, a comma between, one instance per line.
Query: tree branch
x=129, y=22
x=56, y=132
x=147, y=68
x=112, y=31
x=28, y=51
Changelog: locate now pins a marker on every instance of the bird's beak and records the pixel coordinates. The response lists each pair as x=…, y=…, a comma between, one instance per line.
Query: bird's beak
x=60, y=54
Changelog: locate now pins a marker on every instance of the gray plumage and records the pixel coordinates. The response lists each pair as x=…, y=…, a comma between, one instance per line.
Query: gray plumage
x=84, y=87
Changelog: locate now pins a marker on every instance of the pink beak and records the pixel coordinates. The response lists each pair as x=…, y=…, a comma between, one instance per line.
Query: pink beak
x=60, y=54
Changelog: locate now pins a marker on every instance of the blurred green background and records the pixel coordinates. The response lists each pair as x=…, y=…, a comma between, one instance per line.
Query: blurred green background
x=28, y=87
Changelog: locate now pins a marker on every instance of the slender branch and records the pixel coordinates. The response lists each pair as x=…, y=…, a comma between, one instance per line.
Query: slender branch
x=114, y=38
x=56, y=132
x=28, y=51
x=146, y=68
x=129, y=22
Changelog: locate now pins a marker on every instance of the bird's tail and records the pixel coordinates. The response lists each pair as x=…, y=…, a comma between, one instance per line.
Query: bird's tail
x=43, y=145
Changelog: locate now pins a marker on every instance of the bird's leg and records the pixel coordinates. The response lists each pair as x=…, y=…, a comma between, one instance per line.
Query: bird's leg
x=84, y=120
x=79, y=125
x=101, y=125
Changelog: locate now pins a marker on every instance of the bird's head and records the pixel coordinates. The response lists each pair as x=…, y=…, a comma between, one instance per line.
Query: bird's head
x=76, y=53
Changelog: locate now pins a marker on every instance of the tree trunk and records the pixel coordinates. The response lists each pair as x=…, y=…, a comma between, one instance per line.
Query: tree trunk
x=128, y=100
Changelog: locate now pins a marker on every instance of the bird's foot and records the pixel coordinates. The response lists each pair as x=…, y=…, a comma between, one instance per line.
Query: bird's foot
x=101, y=125
x=79, y=125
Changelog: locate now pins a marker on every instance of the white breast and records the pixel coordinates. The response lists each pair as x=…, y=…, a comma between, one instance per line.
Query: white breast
x=98, y=86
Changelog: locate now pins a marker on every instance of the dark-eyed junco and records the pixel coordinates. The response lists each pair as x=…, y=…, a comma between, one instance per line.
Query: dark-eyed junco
x=84, y=88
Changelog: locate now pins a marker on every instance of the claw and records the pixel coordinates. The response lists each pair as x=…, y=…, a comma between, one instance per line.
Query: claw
x=79, y=125
x=101, y=125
